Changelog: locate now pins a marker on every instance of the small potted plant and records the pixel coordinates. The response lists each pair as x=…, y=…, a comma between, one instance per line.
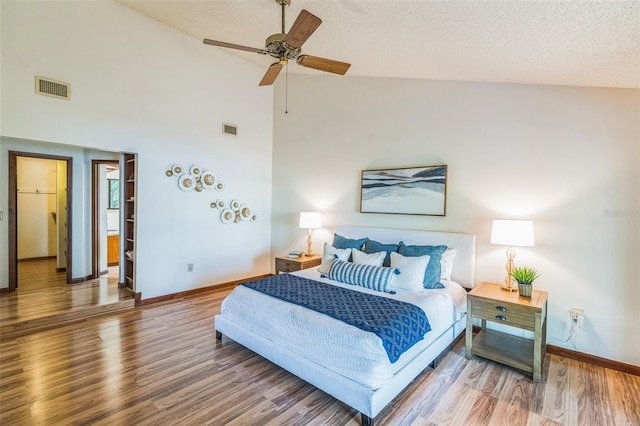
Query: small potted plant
x=524, y=277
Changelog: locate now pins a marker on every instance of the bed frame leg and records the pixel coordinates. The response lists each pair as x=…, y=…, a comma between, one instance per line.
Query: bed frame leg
x=366, y=420
x=218, y=335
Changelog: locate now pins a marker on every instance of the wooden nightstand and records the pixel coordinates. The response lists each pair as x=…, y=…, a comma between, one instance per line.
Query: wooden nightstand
x=285, y=264
x=489, y=303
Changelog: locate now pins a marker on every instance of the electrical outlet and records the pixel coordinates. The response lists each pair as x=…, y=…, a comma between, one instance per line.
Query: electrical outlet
x=577, y=315
x=190, y=267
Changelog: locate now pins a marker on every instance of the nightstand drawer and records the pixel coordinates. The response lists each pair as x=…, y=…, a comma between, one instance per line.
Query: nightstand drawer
x=502, y=312
x=286, y=264
x=283, y=265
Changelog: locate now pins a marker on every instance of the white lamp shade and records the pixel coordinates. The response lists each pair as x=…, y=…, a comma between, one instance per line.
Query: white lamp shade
x=310, y=220
x=513, y=233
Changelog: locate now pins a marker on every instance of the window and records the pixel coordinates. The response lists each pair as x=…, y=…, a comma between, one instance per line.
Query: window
x=114, y=193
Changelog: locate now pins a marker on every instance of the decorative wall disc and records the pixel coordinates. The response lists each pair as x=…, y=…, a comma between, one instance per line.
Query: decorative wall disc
x=227, y=216
x=219, y=186
x=177, y=169
x=195, y=170
x=208, y=179
x=245, y=212
x=187, y=183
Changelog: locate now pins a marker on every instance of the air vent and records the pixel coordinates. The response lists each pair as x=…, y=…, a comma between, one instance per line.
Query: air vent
x=229, y=129
x=55, y=89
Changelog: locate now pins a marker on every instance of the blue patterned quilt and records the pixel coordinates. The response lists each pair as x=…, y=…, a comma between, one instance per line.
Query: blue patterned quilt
x=398, y=324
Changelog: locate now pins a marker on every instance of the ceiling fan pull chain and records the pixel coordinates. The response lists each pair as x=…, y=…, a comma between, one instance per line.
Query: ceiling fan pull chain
x=286, y=90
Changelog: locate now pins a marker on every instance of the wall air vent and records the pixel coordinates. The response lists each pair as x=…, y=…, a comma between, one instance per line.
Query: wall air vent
x=55, y=89
x=229, y=129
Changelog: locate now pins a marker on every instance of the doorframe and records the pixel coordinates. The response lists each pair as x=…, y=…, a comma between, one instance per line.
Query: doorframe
x=13, y=212
x=95, y=225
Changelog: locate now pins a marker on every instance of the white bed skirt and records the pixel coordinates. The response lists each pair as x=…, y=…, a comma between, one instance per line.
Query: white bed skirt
x=367, y=401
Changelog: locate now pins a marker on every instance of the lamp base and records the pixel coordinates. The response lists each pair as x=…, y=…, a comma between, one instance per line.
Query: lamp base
x=309, y=234
x=509, y=282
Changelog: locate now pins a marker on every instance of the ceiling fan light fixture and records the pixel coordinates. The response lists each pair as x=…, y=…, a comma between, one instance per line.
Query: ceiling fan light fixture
x=286, y=46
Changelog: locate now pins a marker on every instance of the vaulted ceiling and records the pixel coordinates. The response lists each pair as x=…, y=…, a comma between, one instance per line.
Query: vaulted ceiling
x=578, y=43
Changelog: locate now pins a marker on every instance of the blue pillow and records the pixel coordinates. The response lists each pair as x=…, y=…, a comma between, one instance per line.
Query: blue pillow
x=432, y=274
x=341, y=242
x=372, y=246
x=368, y=276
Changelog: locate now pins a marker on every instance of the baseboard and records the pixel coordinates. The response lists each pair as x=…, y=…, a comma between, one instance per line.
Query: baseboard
x=591, y=359
x=181, y=294
x=29, y=259
x=595, y=360
x=80, y=280
x=61, y=269
x=105, y=272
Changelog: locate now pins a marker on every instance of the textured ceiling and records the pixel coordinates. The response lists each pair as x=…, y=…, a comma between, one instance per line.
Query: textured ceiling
x=578, y=43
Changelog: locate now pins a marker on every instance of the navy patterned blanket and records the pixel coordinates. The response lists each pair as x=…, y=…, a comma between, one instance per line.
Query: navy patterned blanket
x=398, y=324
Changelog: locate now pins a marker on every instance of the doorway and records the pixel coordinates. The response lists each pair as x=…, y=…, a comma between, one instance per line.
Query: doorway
x=105, y=217
x=61, y=214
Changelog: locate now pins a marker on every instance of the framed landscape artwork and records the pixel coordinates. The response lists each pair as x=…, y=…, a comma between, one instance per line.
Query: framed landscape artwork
x=413, y=190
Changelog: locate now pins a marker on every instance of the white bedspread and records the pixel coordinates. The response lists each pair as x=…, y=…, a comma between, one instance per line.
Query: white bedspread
x=345, y=349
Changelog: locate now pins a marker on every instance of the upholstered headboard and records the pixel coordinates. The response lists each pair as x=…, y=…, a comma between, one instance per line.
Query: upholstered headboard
x=465, y=245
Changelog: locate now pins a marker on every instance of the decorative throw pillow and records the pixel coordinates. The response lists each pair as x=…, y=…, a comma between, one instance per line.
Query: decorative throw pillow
x=362, y=258
x=446, y=264
x=372, y=246
x=411, y=271
x=329, y=255
x=432, y=274
x=347, y=243
x=368, y=276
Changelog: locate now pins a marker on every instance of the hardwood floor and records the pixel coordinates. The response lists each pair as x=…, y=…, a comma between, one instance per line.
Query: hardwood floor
x=161, y=364
x=44, y=299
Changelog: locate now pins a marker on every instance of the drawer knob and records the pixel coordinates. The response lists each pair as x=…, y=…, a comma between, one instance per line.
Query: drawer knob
x=501, y=317
x=501, y=308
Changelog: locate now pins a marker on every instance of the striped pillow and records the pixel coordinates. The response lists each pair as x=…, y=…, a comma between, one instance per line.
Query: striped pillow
x=368, y=276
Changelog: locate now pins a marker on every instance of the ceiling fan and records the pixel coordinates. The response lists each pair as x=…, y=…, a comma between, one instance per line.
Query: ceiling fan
x=286, y=46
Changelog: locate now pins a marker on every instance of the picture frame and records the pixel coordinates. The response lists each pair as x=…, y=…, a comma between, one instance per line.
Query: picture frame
x=418, y=190
x=114, y=193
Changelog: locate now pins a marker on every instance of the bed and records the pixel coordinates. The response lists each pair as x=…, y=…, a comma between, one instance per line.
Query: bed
x=333, y=359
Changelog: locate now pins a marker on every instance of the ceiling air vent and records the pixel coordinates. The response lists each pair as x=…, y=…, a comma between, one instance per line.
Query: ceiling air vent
x=229, y=129
x=55, y=89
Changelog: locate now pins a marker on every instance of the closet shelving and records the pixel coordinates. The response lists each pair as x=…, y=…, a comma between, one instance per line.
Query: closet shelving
x=129, y=219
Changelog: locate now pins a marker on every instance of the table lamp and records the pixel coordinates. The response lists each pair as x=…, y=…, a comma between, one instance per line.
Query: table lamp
x=512, y=233
x=310, y=221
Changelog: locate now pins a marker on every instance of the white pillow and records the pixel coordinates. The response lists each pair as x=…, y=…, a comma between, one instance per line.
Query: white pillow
x=411, y=276
x=362, y=258
x=446, y=264
x=329, y=255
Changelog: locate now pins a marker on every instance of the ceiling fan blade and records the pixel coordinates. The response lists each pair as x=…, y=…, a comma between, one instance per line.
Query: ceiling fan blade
x=271, y=74
x=302, y=28
x=322, y=64
x=234, y=46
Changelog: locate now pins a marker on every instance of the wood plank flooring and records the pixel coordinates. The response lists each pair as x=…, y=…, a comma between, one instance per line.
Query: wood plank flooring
x=44, y=299
x=161, y=364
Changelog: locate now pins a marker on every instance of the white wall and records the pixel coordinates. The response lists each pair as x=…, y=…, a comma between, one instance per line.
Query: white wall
x=36, y=181
x=139, y=86
x=567, y=158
